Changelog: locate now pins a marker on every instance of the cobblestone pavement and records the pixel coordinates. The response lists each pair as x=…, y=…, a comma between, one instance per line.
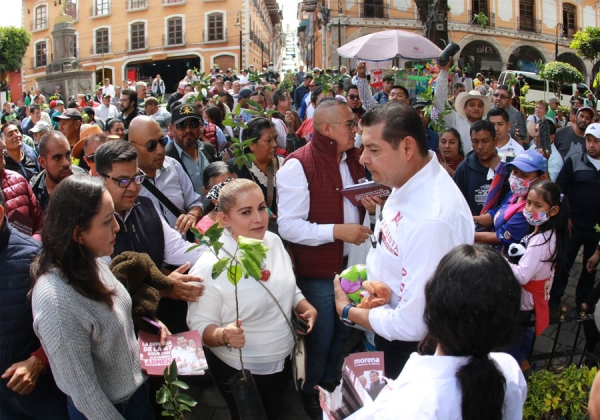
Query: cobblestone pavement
x=211, y=405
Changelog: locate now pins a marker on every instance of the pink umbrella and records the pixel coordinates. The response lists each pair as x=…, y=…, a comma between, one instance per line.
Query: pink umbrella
x=389, y=44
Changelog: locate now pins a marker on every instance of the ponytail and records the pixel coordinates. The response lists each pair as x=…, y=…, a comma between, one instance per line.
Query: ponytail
x=483, y=388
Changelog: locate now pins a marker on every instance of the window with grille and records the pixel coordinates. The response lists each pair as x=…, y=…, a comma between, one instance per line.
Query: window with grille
x=102, y=46
x=215, y=27
x=41, y=17
x=526, y=16
x=138, y=4
x=138, y=36
x=102, y=7
x=40, y=54
x=71, y=8
x=569, y=22
x=175, y=31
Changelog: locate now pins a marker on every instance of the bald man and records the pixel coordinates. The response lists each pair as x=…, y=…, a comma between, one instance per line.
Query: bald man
x=166, y=174
x=321, y=224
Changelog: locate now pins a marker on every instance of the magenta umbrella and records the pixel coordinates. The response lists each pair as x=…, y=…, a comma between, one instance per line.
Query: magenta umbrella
x=389, y=44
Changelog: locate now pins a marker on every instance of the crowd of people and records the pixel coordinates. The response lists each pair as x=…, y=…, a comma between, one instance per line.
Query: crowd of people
x=477, y=237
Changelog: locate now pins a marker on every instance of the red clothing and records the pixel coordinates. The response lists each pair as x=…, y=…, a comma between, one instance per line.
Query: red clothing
x=319, y=160
x=540, y=289
x=454, y=164
x=19, y=196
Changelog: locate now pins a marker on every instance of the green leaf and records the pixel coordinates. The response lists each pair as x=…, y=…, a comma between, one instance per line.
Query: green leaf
x=13, y=46
x=167, y=414
x=193, y=247
x=253, y=104
x=229, y=123
x=186, y=399
x=180, y=384
x=234, y=274
x=173, y=371
x=219, y=267
x=161, y=395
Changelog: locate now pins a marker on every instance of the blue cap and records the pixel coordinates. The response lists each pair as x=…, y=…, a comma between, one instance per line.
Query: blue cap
x=530, y=161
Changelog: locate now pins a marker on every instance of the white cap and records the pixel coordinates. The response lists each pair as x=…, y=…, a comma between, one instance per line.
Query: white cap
x=594, y=130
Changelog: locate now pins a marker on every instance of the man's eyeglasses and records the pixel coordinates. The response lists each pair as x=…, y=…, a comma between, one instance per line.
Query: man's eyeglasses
x=188, y=123
x=126, y=182
x=353, y=97
x=349, y=124
x=153, y=144
x=503, y=97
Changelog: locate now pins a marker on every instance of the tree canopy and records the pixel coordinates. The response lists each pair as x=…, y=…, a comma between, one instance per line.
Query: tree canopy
x=13, y=45
x=587, y=44
x=561, y=74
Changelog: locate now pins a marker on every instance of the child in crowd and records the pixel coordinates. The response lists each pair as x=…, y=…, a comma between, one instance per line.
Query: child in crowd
x=548, y=215
x=214, y=177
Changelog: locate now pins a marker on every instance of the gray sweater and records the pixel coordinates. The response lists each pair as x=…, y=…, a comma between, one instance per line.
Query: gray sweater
x=92, y=349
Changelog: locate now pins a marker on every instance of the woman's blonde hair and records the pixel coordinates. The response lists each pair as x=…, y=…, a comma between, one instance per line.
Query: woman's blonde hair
x=228, y=194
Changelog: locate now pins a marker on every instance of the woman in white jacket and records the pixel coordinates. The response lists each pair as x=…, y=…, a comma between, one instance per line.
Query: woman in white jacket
x=472, y=304
x=263, y=332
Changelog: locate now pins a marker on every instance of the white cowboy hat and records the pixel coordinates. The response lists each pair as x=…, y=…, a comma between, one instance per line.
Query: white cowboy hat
x=463, y=97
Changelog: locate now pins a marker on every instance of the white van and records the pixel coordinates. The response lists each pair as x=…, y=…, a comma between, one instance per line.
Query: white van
x=540, y=89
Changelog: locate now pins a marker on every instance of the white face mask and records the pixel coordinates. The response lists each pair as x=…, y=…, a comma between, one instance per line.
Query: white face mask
x=357, y=140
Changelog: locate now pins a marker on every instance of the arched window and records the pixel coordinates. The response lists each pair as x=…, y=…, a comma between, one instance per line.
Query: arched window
x=102, y=7
x=526, y=15
x=40, y=17
x=175, y=31
x=102, y=41
x=569, y=19
x=138, y=36
x=215, y=27
x=41, y=58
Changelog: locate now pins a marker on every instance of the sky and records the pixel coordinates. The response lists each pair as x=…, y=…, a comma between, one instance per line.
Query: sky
x=290, y=11
x=11, y=13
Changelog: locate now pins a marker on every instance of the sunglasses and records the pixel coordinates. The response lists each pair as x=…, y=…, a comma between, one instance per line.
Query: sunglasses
x=185, y=124
x=349, y=124
x=353, y=97
x=153, y=144
x=497, y=95
x=126, y=182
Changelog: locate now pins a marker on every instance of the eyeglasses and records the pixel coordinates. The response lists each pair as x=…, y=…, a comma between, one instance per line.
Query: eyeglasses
x=126, y=182
x=91, y=158
x=188, y=123
x=153, y=144
x=353, y=97
x=503, y=97
x=349, y=124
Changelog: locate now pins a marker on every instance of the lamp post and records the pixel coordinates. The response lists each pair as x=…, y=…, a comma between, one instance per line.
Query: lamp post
x=339, y=32
x=561, y=27
x=238, y=22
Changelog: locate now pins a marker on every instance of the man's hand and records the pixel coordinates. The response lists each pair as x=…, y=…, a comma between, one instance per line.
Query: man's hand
x=361, y=70
x=370, y=203
x=24, y=375
x=341, y=299
x=447, y=66
x=182, y=289
x=352, y=233
x=592, y=264
x=185, y=222
x=289, y=119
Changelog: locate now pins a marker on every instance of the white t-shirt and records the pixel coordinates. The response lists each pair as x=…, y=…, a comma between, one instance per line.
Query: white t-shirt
x=427, y=388
x=512, y=148
x=595, y=162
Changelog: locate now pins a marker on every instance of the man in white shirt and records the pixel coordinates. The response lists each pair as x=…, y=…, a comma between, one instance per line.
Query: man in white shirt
x=106, y=110
x=157, y=113
x=424, y=217
x=108, y=88
x=321, y=224
x=508, y=148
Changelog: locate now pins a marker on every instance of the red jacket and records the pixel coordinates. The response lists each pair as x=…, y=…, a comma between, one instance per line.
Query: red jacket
x=19, y=196
x=321, y=167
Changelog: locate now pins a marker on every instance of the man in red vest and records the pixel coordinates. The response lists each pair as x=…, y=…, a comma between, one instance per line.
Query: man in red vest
x=321, y=224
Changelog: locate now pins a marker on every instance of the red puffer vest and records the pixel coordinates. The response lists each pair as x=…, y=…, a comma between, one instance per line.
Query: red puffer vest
x=321, y=168
x=19, y=196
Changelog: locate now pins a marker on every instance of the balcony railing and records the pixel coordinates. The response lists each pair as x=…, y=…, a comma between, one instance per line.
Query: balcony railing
x=130, y=46
x=171, y=41
x=222, y=38
x=136, y=4
x=169, y=2
x=38, y=26
x=95, y=50
x=101, y=10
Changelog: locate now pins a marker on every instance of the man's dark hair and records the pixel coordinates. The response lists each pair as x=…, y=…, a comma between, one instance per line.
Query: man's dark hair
x=399, y=121
x=46, y=138
x=498, y=112
x=33, y=107
x=388, y=79
x=503, y=87
x=483, y=125
x=351, y=87
x=73, y=105
x=279, y=95
x=459, y=85
x=114, y=152
x=402, y=88
x=574, y=110
x=131, y=94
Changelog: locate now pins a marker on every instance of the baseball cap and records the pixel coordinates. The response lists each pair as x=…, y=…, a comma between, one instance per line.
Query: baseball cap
x=418, y=103
x=89, y=111
x=317, y=69
x=530, y=161
x=77, y=151
x=183, y=112
x=244, y=93
x=59, y=102
x=593, y=129
x=53, y=103
x=56, y=87
x=150, y=100
x=583, y=108
x=104, y=95
x=69, y=114
x=40, y=126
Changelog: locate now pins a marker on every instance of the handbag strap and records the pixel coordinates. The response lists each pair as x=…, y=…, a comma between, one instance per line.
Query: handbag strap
x=289, y=322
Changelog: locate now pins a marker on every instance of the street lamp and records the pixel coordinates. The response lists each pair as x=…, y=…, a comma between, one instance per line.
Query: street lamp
x=238, y=22
x=339, y=32
x=561, y=27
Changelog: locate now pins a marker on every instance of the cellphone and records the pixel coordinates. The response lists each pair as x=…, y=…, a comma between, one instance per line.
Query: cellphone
x=544, y=136
x=298, y=322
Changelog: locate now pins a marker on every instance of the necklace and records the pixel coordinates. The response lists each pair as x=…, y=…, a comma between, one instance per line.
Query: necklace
x=264, y=273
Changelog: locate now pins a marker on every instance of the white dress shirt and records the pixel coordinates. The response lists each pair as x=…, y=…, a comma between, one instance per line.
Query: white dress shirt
x=105, y=113
x=293, y=206
x=461, y=124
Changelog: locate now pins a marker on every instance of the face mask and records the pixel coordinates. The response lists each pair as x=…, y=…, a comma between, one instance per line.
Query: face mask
x=271, y=67
x=536, y=219
x=357, y=140
x=519, y=186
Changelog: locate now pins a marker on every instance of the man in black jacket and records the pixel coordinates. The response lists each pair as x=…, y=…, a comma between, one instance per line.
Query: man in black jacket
x=27, y=389
x=129, y=106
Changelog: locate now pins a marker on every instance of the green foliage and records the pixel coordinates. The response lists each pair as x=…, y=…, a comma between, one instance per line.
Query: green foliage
x=555, y=396
x=481, y=19
x=173, y=402
x=287, y=83
x=597, y=228
x=202, y=85
x=561, y=74
x=587, y=43
x=438, y=125
x=13, y=45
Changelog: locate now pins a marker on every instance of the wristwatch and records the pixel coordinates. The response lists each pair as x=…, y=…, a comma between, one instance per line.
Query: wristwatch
x=345, y=312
